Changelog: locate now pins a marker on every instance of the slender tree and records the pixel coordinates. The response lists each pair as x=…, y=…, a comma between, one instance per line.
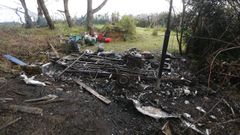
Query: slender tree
x=91, y=12
x=46, y=14
x=184, y=5
x=67, y=14
x=41, y=21
x=28, y=20
x=39, y=9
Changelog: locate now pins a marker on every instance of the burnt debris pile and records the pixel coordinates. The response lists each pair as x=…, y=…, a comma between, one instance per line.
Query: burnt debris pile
x=131, y=76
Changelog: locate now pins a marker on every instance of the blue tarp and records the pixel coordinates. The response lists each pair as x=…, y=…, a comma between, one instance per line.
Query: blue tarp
x=73, y=40
x=14, y=60
x=42, y=22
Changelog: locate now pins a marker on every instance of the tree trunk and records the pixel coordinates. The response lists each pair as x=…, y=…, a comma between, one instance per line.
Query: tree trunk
x=191, y=40
x=39, y=9
x=182, y=25
x=28, y=20
x=67, y=14
x=91, y=12
x=89, y=17
x=46, y=14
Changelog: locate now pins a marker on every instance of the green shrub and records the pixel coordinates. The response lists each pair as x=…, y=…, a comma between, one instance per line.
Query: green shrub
x=128, y=24
x=155, y=32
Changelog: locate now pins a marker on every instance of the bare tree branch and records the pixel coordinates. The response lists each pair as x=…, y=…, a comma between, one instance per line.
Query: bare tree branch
x=99, y=7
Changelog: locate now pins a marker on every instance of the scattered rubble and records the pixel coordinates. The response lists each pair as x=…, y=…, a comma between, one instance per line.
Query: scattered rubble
x=115, y=79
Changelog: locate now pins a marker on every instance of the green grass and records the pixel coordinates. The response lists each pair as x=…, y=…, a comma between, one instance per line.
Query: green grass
x=144, y=40
x=16, y=39
x=28, y=44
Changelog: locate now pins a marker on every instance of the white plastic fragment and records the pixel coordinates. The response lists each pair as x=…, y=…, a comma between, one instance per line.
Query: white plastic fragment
x=151, y=111
x=186, y=91
x=200, y=109
x=208, y=131
x=195, y=93
x=186, y=115
x=186, y=102
x=213, y=117
x=31, y=80
x=193, y=127
x=87, y=51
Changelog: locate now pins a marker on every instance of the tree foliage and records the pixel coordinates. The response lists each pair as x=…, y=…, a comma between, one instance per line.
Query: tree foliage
x=127, y=23
x=151, y=20
x=212, y=25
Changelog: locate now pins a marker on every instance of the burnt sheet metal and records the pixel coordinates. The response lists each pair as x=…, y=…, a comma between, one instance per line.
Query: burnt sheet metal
x=153, y=112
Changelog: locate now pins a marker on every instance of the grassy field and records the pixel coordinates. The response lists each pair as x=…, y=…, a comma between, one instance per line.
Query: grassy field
x=144, y=40
x=28, y=43
x=31, y=44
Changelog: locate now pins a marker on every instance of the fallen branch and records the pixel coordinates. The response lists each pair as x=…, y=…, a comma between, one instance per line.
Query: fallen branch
x=54, y=50
x=213, y=39
x=214, y=58
x=233, y=113
x=45, y=98
x=6, y=99
x=10, y=123
x=50, y=101
x=24, y=109
x=3, y=85
x=229, y=121
x=92, y=91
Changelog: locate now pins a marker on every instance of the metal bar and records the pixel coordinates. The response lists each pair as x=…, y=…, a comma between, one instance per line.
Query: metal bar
x=70, y=65
x=165, y=44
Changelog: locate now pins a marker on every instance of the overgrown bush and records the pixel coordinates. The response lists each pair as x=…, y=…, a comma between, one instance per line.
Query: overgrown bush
x=213, y=39
x=128, y=24
x=155, y=32
x=217, y=23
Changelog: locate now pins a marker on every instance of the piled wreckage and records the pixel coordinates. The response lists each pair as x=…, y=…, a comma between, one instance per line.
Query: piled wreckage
x=131, y=76
x=132, y=69
x=128, y=68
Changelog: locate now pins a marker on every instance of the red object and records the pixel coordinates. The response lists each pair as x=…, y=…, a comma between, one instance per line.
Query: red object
x=108, y=40
x=100, y=37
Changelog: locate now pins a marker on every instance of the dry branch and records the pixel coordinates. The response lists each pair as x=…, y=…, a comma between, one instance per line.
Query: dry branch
x=92, y=91
x=24, y=109
x=10, y=123
x=214, y=58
